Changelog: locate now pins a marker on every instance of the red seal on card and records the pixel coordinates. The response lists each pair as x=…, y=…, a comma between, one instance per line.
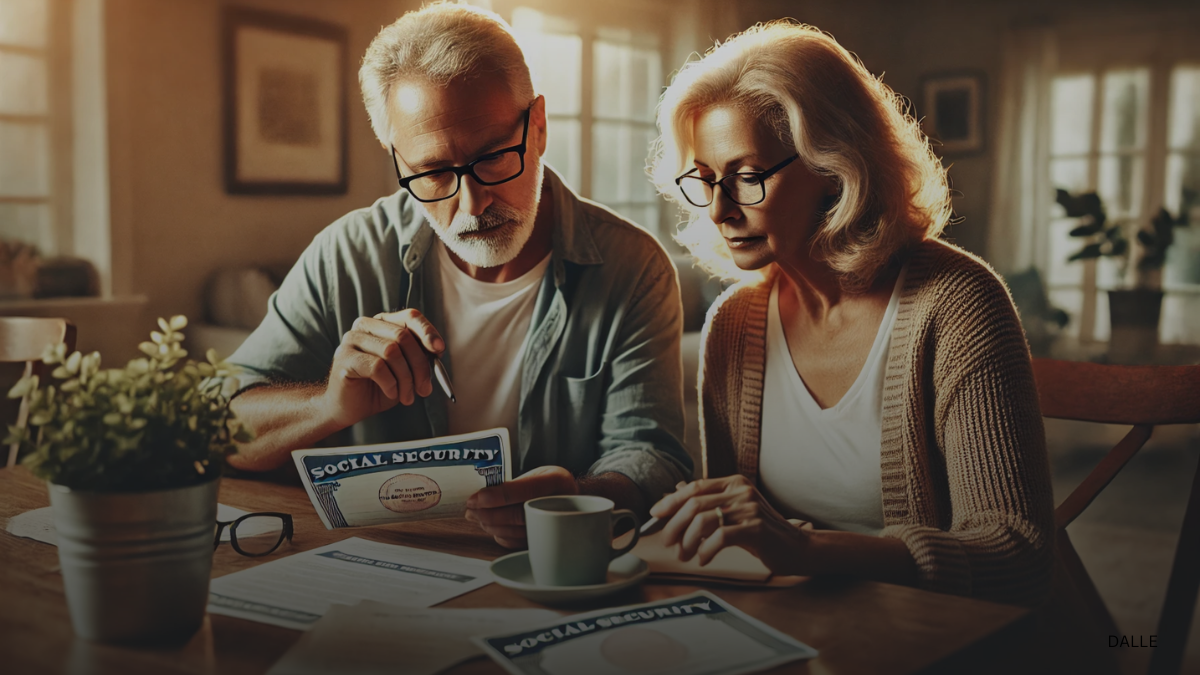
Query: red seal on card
x=408, y=492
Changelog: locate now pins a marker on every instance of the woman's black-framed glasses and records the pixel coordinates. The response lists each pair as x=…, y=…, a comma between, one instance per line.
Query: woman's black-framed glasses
x=256, y=534
x=746, y=187
x=493, y=168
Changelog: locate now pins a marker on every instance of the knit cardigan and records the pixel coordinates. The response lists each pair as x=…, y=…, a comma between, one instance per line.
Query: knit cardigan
x=966, y=481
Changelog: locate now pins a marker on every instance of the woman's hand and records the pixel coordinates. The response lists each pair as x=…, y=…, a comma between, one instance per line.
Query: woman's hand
x=748, y=519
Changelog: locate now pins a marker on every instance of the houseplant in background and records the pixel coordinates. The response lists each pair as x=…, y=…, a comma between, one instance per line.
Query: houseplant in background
x=1133, y=312
x=132, y=457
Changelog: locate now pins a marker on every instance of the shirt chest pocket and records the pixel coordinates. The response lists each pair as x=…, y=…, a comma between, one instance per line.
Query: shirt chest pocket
x=581, y=406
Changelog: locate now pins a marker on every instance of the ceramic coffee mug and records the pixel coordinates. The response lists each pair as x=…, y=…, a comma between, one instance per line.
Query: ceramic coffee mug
x=570, y=539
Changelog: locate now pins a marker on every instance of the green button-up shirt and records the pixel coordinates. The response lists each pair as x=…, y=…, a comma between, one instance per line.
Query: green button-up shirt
x=602, y=378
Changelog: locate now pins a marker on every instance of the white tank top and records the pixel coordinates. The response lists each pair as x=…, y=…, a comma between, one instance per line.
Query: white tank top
x=822, y=465
x=485, y=326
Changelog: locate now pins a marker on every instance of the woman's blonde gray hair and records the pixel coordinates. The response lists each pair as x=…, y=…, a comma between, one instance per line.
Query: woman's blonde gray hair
x=439, y=43
x=842, y=122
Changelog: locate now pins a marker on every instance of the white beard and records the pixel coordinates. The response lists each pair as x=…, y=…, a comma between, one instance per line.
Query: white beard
x=515, y=227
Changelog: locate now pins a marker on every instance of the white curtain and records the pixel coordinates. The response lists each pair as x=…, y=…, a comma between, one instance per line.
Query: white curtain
x=1022, y=193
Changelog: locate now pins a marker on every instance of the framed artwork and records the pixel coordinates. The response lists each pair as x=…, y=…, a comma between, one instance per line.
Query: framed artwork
x=285, y=104
x=952, y=109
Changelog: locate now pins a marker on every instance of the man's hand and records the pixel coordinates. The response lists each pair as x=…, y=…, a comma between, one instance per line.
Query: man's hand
x=500, y=509
x=381, y=361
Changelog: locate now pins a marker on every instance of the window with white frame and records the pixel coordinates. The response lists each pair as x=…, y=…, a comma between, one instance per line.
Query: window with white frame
x=53, y=137
x=601, y=85
x=1112, y=134
x=1182, y=184
x=29, y=206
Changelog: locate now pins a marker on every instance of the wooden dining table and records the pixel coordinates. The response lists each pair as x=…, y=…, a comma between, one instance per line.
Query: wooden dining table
x=859, y=627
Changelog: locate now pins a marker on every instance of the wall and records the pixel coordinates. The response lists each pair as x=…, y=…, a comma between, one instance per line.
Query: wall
x=172, y=222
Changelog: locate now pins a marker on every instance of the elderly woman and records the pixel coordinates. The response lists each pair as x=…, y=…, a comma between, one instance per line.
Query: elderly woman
x=867, y=402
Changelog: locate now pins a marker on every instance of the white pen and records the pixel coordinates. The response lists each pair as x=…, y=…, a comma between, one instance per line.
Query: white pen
x=654, y=524
x=651, y=526
x=443, y=378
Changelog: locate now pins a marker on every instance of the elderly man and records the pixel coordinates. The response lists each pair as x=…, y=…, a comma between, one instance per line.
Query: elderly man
x=557, y=319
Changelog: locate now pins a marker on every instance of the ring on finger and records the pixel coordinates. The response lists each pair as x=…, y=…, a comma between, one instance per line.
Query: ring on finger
x=721, y=517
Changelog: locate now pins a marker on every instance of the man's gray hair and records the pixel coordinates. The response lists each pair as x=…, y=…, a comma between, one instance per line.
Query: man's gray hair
x=437, y=44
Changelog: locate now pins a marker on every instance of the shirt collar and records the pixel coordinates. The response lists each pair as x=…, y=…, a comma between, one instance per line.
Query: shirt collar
x=572, y=237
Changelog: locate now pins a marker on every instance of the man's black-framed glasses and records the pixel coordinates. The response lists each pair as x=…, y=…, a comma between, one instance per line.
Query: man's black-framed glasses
x=256, y=534
x=745, y=187
x=493, y=168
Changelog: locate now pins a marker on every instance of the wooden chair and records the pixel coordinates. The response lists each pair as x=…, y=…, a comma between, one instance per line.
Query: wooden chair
x=23, y=339
x=1145, y=397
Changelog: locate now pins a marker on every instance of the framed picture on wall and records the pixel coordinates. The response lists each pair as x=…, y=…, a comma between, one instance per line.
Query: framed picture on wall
x=952, y=110
x=284, y=104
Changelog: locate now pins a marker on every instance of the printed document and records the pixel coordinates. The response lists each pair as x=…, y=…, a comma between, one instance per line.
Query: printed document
x=697, y=634
x=372, y=638
x=296, y=591
x=364, y=485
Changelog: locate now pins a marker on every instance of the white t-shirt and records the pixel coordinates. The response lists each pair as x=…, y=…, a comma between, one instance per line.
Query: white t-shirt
x=485, y=328
x=822, y=465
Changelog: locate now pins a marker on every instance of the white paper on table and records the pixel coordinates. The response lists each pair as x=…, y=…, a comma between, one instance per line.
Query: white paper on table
x=373, y=638
x=689, y=635
x=297, y=590
x=38, y=524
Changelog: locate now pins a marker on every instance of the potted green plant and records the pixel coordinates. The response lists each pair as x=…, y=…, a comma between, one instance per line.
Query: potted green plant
x=1133, y=312
x=132, y=458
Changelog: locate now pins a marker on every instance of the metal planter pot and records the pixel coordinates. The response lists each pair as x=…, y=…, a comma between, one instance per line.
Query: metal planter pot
x=1134, y=314
x=136, y=565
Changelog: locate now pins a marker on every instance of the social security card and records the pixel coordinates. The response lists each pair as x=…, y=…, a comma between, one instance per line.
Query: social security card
x=364, y=485
x=696, y=634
